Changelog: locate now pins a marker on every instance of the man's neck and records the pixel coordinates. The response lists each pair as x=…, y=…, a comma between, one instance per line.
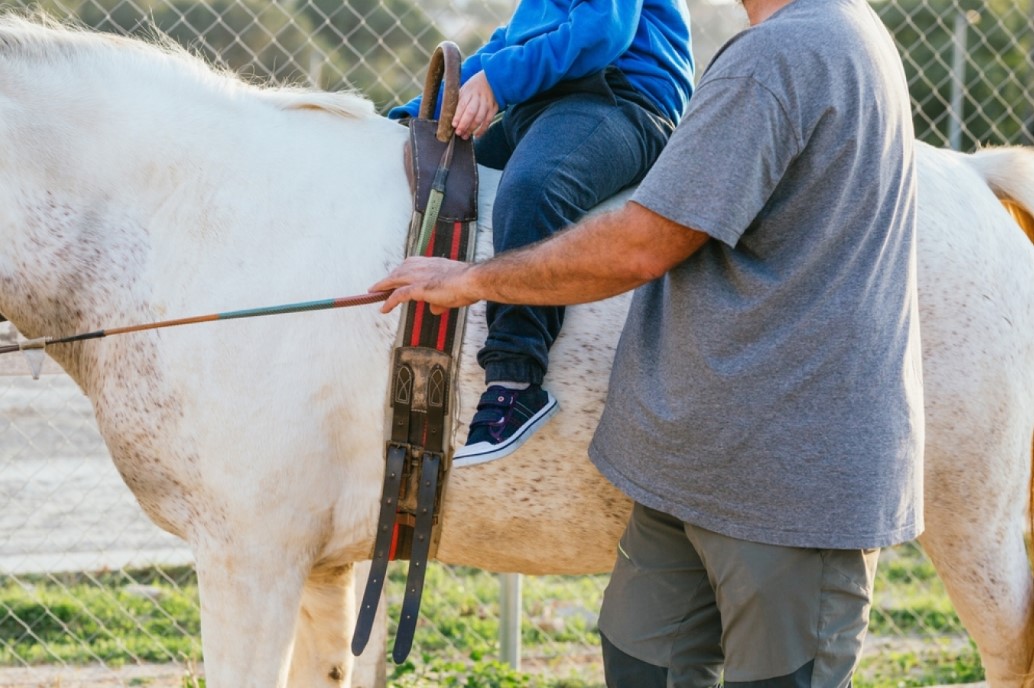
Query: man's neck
x=760, y=10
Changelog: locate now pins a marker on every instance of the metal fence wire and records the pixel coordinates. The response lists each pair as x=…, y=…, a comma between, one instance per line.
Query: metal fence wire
x=92, y=594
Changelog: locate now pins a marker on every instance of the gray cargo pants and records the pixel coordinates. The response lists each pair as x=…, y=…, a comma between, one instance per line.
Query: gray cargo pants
x=686, y=604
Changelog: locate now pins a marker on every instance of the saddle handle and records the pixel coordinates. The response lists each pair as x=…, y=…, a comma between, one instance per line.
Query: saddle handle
x=445, y=64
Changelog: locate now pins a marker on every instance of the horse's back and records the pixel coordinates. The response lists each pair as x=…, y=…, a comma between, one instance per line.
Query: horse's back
x=975, y=270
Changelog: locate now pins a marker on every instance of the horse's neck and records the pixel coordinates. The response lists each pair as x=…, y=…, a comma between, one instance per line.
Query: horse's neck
x=203, y=209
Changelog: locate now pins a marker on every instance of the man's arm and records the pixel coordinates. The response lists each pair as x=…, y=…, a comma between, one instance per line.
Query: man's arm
x=600, y=257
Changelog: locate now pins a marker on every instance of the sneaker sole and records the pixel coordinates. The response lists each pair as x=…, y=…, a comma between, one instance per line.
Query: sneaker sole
x=483, y=452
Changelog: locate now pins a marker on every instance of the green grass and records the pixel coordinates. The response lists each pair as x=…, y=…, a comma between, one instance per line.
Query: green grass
x=909, y=598
x=915, y=638
x=938, y=663
x=146, y=616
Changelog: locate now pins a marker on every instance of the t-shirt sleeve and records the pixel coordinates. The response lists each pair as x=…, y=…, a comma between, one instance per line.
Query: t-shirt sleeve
x=724, y=160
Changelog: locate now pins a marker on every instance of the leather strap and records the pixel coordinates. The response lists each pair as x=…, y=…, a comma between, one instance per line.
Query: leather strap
x=435, y=199
x=437, y=406
x=444, y=66
x=427, y=494
x=401, y=402
x=381, y=548
x=429, y=159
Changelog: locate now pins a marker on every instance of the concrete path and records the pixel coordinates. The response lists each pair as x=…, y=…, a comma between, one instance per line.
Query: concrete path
x=63, y=506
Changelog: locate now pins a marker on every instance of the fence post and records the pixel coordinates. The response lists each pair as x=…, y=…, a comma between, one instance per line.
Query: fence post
x=958, y=81
x=510, y=619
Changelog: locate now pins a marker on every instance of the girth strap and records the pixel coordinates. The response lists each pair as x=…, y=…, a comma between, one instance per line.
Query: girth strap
x=418, y=455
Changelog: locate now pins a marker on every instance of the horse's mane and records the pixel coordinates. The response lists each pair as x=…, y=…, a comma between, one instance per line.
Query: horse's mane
x=37, y=37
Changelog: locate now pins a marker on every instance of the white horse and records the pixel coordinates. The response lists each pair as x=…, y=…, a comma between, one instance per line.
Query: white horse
x=136, y=184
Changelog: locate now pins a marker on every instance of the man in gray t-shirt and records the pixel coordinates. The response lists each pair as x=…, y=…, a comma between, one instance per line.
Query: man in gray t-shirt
x=765, y=406
x=774, y=375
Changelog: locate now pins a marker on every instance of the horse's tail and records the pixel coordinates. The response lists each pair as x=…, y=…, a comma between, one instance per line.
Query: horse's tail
x=1009, y=172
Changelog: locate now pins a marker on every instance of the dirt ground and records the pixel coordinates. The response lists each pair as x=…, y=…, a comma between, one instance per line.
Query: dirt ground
x=147, y=676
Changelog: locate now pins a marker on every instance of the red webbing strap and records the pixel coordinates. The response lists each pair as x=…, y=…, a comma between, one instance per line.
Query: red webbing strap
x=424, y=330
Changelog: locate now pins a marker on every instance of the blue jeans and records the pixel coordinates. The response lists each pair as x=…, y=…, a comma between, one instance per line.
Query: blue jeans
x=562, y=153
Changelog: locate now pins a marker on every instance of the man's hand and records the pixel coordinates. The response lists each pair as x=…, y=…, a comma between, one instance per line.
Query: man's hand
x=475, y=108
x=439, y=281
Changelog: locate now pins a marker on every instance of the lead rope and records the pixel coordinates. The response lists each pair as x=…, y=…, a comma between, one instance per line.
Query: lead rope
x=33, y=348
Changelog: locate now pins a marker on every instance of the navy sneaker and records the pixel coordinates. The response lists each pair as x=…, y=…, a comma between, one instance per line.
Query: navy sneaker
x=504, y=420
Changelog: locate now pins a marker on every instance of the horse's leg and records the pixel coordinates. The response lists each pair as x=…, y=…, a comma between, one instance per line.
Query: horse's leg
x=975, y=520
x=249, y=604
x=322, y=647
x=321, y=656
x=371, y=668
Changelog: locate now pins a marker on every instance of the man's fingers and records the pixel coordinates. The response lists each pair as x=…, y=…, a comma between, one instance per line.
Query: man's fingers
x=386, y=284
x=395, y=299
x=389, y=304
x=435, y=280
x=393, y=302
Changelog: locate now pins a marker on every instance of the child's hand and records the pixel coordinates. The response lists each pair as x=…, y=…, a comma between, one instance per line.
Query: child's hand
x=475, y=108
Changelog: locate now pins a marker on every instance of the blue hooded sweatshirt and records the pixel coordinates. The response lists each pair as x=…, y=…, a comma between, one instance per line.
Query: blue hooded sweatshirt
x=549, y=41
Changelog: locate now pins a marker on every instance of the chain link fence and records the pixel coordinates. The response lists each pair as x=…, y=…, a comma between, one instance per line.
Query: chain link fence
x=92, y=594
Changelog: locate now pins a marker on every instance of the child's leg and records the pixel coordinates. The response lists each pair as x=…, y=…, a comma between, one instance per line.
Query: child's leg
x=494, y=148
x=570, y=154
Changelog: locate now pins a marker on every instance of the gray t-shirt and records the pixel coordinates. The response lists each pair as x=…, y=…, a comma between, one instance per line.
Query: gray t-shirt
x=769, y=387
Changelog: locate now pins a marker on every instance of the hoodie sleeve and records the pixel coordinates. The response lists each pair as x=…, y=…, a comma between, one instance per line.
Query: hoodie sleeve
x=594, y=34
